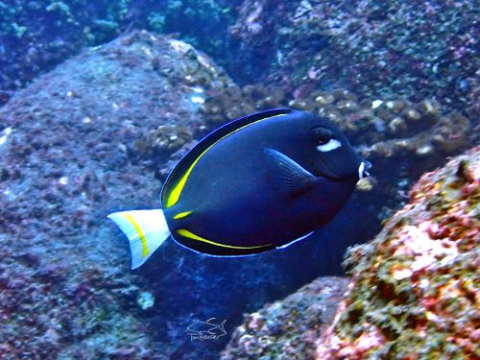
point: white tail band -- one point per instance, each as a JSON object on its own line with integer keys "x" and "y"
{"x": 146, "y": 231}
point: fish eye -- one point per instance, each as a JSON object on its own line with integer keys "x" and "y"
{"x": 322, "y": 136}
{"x": 324, "y": 140}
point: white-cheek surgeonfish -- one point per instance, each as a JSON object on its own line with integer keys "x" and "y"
{"x": 258, "y": 183}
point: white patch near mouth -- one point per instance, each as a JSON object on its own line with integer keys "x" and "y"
{"x": 361, "y": 170}
{"x": 332, "y": 144}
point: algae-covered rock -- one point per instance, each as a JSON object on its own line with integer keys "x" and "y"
{"x": 410, "y": 48}
{"x": 67, "y": 159}
{"x": 415, "y": 289}
{"x": 287, "y": 329}
{"x": 36, "y": 35}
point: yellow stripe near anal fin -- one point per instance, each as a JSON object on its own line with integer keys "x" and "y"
{"x": 190, "y": 235}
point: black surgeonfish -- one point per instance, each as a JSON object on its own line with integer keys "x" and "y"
{"x": 257, "y": 183}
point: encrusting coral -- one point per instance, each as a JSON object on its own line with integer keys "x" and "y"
{"x": 278, "y": 331}
{"x": 382, "y": 127}
{"x": 415, "y": 291}
{"x": 416, "y": 49}
{"x": 165, "y": 139}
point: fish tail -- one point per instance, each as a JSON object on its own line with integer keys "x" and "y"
{"x": 146, "y": 231}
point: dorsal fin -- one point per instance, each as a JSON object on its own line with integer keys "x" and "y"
{"x": 186, "y": 162}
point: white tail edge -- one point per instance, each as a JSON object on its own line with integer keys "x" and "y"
{"x": 146, "y": 230}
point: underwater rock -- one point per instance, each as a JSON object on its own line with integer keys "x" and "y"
{"x": 382, "y": 128}
{"x": 37, "y": 35}
{"x": 414, "y": 290}
{"x": 287, "y": 329}
{"x": 164, "y": 140}
{"x": 69, "y": 157}
{"x": 409, "y": 48}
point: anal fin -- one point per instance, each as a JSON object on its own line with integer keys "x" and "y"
{"x": 294, "y": 241}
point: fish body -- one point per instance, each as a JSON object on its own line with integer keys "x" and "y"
{"x": 258, "y": 183}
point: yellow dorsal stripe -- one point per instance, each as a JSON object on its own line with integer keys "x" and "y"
{"x": 177, "y": 190}
{"x": 137, "y": 227}
{"x": 182, "y": 215}
{"x": 190, "y": 235}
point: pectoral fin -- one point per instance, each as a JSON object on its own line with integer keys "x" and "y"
{"x": 290, "y": 177}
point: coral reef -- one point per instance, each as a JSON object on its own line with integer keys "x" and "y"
{"x": 279, "y": 330}
{"x": 409, "y": 48}
{"x": 37, "y": 35}
{"x": 414, "y": 291}
{"x": 202, "y": 23}
{"x": 101, "y": 131}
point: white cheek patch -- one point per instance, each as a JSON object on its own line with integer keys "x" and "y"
{"x": 332, "y": 144}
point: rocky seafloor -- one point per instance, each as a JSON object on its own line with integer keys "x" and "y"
{"x": 289, "y": 328}
{"x": 68, "y": 159}
{"x": 100, "y": 132}
{"x": 409, "y": 48}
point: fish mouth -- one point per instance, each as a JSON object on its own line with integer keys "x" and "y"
{"x": 323, "y": 169}
{"x": 363, "y": 169}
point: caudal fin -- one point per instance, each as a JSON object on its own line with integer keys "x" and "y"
{"x": 146, "y": 230}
